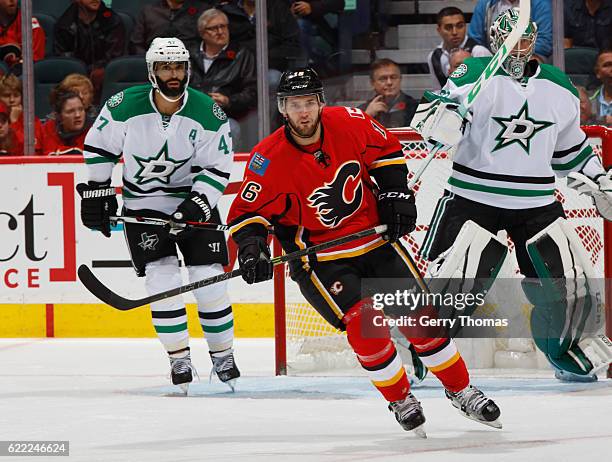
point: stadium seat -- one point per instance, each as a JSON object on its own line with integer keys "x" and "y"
{"x": 47, "y": 74}
{"x": 53, "y": 8}
{"x": 47, "y": 22}
{"x": 131, "y": 7}
{"x": 122, "y": 73}
{"x": 128, "y": 24}
{"x": 579, "y": 64}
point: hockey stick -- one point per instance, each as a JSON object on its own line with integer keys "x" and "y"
{"x": 109, "y": 297}
{"x": 496, "y": 61}
{"x": 172, "y": 224}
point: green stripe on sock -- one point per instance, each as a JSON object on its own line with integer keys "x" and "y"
{"x": 170, "y": 329}
{"x": 217, "y": 329}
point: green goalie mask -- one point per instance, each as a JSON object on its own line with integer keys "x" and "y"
{"x": 522, "y": 52}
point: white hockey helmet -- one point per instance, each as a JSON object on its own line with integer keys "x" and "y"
{"x": 515, "y": 63}
{"x": 167, "y": 50}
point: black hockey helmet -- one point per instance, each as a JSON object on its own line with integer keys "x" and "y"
{"x": 299, "y": 82}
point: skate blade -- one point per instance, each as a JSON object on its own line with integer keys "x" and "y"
{"x": 495, "y": 423}
{"x": 232, "y": 384}
{"x": 420, "y": 432}
{"x": 184, "y": 388}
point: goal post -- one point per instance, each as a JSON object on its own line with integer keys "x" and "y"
{"x": 302, "y": 335}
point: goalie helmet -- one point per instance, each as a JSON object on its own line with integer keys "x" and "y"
{"x": 501, "y": 28}
{"x": 301, "y": 82}
{"x": 167, "y": 50}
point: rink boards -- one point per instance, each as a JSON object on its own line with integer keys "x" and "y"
{"x": 43, "y": 243}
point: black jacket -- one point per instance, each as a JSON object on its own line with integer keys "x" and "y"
{"x": 95, "y": 44}
{"x": 232, "y": 73}
{"x": 283, "y": 31}
{"x": 158, "y": 20}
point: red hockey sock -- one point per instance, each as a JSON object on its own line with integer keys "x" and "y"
{"x": 376, "y": 352}
{"x": 441, "y": 357}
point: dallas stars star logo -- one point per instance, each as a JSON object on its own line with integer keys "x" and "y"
{"x": 158, "y": 168}
{"x": 519, "y": 128}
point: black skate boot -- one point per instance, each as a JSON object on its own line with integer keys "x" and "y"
{"x": 473, "y": 404}
{"x": 409, "y": 413}
{"x": 225, "y": 367}
{"x": 181, "y": 369}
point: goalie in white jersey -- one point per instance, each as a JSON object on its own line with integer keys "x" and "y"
{"x": 522, "y": 132}
{"x": 177, "y": 152}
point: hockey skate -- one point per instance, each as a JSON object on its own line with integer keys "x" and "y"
{"x": 473, "y": 404}
{"x": 225, "y": 367}
{"x": 182, "y": 371}
{"x": 409, "y": 413}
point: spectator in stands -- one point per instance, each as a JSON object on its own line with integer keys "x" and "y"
{"x": 310, "y": 17}
{"x": 65, "y": 133}
{"x": 586, "y": 113}
{"x": 167, "y": 18}
{"x": 83, "y": 87}
{"x": 588, "y": 23}
{"x": 283, "y": 32}
{"x": 224, "y": 70}
{"x": 452, "y": 28}
{"x": 8, "y": 142}
{"x": 486, "y": 11}
{"x": 390, "y": 105}
{"x": 93, "y": 33}
{"x": 11, "y": 92}
{"x": 601, "y": 100}
{"x": 10, "y": 36}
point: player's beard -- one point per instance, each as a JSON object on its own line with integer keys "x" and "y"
{"x": 172, "y": 92}
{"x": 304, "y": 132}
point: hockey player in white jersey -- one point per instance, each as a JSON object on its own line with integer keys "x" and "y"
{"x": 522, "y": 132}
{"x": 177, "y": 152}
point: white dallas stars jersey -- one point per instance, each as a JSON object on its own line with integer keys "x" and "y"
{"x": 521, "y": 137}
{"x": 163, "y": 161}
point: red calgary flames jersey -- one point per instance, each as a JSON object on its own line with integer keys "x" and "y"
{"x": 321, "y": 192}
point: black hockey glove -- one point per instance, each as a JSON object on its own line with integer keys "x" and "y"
{"x": 397, "y": 210}
{"x": 254, "y": 259}
{"x": 98, "y": 204}
{"x": 194, "y": 208}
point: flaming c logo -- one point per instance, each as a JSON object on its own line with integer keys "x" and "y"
{"x": 340, "y": 198}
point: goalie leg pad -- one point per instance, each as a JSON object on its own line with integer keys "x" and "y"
{"x": 470, "y": 265}
{"x": 214, "y": 308}
{"x": 566, "y": 299}
{"x": 169, "y": 315}
{"x": 376, "y": 352}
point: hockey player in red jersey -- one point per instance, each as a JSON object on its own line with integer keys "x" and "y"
{"x": 331, "y": 172}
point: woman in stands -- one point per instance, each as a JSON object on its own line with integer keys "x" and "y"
{"x": 82, "y": 86}
{"x": 11, "y": 95}
{"x": 8, "y": 143}
{"x": 65, "y": 133}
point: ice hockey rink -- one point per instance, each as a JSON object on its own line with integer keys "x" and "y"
{"x": 111, "y": 399}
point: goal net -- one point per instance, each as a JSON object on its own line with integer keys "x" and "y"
{"x": 305, "y": 343}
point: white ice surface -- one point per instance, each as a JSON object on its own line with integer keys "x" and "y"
{"x": 112, "y": 400}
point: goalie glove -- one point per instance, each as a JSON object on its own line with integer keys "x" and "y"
{"x": 600, "y": 190}
{"x": 439, "y": 121}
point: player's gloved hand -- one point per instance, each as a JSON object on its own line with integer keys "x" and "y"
{"x": 98, "y": 204}
{"x": 397, "y": 210}
{"x": 440, "y": 121}
{"x": 254, "y": 259}
{"x": 600, "y": 189}
{"x": 194, "y": 208}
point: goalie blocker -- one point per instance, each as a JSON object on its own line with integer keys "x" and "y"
{"x": 567, "y": 301}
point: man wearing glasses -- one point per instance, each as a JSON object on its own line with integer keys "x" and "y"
{"x": 390, "y": 105}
